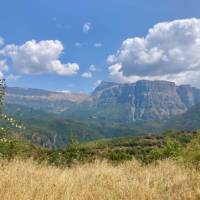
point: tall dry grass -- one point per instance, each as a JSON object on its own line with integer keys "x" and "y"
{"x": 98, "y": 181}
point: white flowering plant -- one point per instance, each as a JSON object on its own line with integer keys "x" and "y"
{"x": 6, "y": 122}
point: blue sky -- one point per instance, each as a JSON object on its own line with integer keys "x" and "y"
{"x": 110, "y": 22}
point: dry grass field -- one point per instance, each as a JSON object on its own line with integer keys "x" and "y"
{"x": 21, "y": 180}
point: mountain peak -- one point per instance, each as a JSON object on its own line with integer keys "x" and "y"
{"x": 104, "y": 85}
{"x": 143, "y": 83}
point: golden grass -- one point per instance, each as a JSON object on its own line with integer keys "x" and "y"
{"x": 98, "y": 181}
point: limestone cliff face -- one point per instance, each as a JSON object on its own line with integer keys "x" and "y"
{"x": 42, "y": 99}
{"x": 144, "y": 100}
{"x": 157, "y": 100}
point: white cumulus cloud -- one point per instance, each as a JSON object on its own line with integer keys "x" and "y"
{"x": 98, "y": 45}
{"x": 87, "y": 27}
{"x": 92, "y": 68}
{"x": 12, "y": 77}
{"x": 3, "y": 66}
{"x": 87, "y": 75}
{"x": 170, "y": 51}
{"x": 39, "y": 57}
{"x": 78, "y": 44}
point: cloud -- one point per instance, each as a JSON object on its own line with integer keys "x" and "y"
{"x": 39, "y": 57}
{"x": 170, "y": 51}
{"x": 97, "y": 83}
{"x": 3, "y": 66}
{"x": 98, "y": 45}
{"x": 92, "y": 68}
{"x": 78, "y": 44}
{"x": 1, "y": 41}
{"x": 65, "y": 91}
{"x": 12, "y": 77}
{"x": 87, "y": 75}
{"x": 3, "y": 63}
{"x": 87, "y": 27}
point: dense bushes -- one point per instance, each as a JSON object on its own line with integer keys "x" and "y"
{"x": 191, "y": 154}
{"x": 163, "y": 147}
{"x": 170, "y": 149}
{"x": 118, "y": 156}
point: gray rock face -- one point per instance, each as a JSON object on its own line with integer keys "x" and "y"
{"x": 144, "y": 100}
{"x": 42, "y": 99}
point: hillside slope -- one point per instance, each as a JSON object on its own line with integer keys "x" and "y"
{"x": 190, "y": 120}
{"x": 54, "y": 130}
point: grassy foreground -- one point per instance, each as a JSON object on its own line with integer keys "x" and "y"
{"x": 98, "y": 181}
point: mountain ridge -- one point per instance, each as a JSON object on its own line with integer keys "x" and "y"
{"x": 113, "y": 102}
{"x": 42, "y": 99}
{"x": 142, "y": 100}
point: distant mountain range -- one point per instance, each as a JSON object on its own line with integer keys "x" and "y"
{"x": 112, "y": 110}
{"x": 143, "y": 100}
{"x": 42, "y": 99}
{"x": 112, "y": 102}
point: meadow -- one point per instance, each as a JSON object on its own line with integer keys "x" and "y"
{"x": 98, "y": 181}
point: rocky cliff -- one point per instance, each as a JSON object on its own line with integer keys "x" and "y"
{"x": 143, "y": 100}
{"x": 42, "y": 99}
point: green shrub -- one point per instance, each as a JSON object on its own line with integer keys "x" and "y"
{"x": 170, "y": 149}
{"x": 191, "y": 153}
{"x": 118, "y": 156}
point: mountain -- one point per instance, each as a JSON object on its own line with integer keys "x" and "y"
{"x": 42, "y": 99}
{"x": 189, "y": 120}
{"x": 143, "y": 100}
{"x": 112, "y": 102}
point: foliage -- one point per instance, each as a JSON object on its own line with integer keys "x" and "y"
{"x": 191, "y": 153}
{"x": 42, "y": 127}
{"x": 118, "y": 156}
{"x": 147, "y": 149}
{"x": 171, "y": 149}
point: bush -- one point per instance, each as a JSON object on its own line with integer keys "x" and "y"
{"x": 171, "y": 149}
{"x": 191, "y": 153}
{"x": 118, "y": 156}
